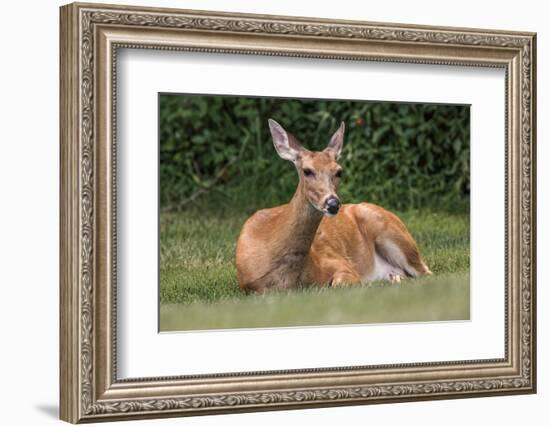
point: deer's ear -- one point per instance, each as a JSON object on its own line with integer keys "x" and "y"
{"x": 283, "y": 142}
{"x": 336, "y": 143}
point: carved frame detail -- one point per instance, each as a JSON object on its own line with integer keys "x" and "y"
{"x": 90, "y": 394}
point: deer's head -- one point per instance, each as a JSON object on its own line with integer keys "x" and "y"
{"x": 319, "y": 171}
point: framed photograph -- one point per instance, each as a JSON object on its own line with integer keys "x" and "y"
{"x": 266, "y": 212}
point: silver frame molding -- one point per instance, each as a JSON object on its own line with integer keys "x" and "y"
{"x": 90, "y": 37}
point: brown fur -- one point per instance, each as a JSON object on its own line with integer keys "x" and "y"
{"x": 295, "y": 245}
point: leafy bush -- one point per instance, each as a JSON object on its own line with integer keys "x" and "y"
{"x": 216, "y": 151}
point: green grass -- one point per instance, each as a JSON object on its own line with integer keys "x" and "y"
{"x": 427, "y": 299}
{"x": 198, "y": 289}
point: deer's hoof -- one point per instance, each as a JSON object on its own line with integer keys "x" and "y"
{"x": 341, "y": 280}
{"x": 338, "y": 283}
{"x": 394, "y": 278}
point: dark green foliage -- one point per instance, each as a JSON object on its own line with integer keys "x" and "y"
{"x": 216, "y": 152}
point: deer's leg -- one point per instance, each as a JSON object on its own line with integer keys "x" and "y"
{"x": 400, "y": 249}
{"x": 392, "y": 241}
{"x": 344, "y": 278}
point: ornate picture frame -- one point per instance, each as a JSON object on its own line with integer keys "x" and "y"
{"x": 90, "y": 37}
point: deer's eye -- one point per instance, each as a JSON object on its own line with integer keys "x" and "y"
{"x": 308, "y": 172}
{"x": 338, "y": 173}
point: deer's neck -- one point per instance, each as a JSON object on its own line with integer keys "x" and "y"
{"x": 291, "y": 241}
{"x": 302, "y": 223}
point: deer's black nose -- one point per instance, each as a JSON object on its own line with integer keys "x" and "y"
{"x": 333, "y": 205}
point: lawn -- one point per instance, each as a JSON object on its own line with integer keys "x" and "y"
{"x": 198, "y": 289}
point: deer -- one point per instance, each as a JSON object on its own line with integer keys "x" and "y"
{"x": 315, "y": 240}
